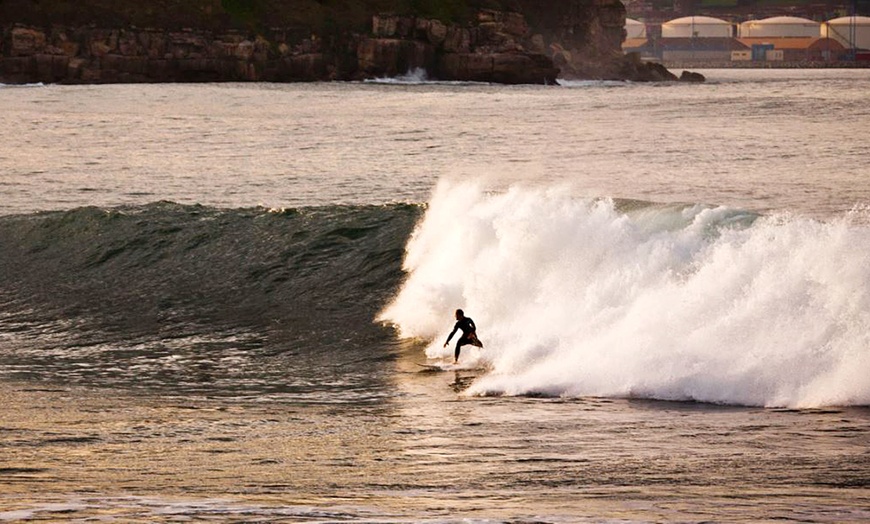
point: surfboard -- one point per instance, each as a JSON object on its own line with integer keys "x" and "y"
{"x": 447, "y": 367}
{"x": 439, "y": 367}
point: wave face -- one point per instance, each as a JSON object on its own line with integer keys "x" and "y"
{"x": 164, "y": 295}
{"x": 577, "y": 297}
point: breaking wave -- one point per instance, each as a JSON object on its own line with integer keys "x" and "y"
{"x": 573, "y": 296}
{"x": 596, "y": 297}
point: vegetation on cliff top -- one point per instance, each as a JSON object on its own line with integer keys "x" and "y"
{"x": 319, "y": 15}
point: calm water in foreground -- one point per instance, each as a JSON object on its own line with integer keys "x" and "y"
{"x": 214, "y": 300}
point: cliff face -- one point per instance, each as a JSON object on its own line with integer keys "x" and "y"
{"x": 584, "y": 38}
{"x": 494, "y": 47}
{"x": 516, "y": 41}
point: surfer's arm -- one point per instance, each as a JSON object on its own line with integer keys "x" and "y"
{"x": 456, "y": 327}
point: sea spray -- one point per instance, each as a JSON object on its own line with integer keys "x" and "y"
{"x": 592, "y": 297}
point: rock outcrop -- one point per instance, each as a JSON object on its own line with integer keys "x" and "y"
{"x": 93, "y": 55}
{"x": 488, "y": 50}
{"x": 635, "y": 69}
{"x": 689, "y": 76}
{"x": 493, "y": 48}
{"x": 525, "y": 42}
{"x": 584, "y": 38}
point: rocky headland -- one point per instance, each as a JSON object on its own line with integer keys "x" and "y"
{"x": 511, "y": 42}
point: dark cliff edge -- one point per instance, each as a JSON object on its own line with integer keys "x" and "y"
{"x": 510, "y": 41}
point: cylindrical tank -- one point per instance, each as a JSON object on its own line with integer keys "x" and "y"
{"x": 851, "y": 31}
{"x": 780, "y": 27}
{"x": 634, "y": 29}
{"x": 698, "y": 27}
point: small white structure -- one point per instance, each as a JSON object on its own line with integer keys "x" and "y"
{"x": 634, "y": 29}
{"x": 774, "y": 55}
{"x": 851, "y": 31}
{"x": 780, "y": 27}
{"x": 697, "y": 27}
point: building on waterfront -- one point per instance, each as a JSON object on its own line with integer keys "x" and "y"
{"x": 657, "y": 11}
{"x": 634, "y": 29}
{"x": 696, "y": 38}
{"x": 779, "y": 27}
{"x": 788, "y": 39}
{"x": 702, "y": 50}
{"x": 635, "y": 36}
{"x": 792, "y": 40}
{"x": 792, "y": 49}
{"x": 704, "y": 40}
{"x": 853, "y": 32}
{"x": 697, "y": 27}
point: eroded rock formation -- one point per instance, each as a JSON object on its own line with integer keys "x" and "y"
{"x": 492, "y": 48}
{"x": 525, "y": 42}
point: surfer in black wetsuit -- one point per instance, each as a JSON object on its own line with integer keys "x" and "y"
{"x": 469, "y": 334}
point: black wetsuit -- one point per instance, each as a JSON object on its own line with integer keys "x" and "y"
{"x": 469, "y": 335}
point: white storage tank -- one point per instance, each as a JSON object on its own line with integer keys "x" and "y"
{"x": 851, "y": 31}
{"x": 780, "y": 27}
{"x": 697, "y": 27}
{"x": 634, "y": 29}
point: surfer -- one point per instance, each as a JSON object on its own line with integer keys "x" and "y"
{"x": 469, "y": 334}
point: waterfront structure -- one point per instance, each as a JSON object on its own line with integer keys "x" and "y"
{"x": 702, "y": 50}
{"x": 779, "y": 27}
{"x": 853, "y": 32}
{"x": 635, "y": 37}
{"x": 696, "y": 38}
{"x": 703, "y": 40}
{"x": 787, "y": 38}
{"x": 634, "y": 29}
{"x": 792, "y": 49}
{"x": 697, "y": 27}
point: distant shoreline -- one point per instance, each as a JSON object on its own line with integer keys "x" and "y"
{"x": 765, "y": 65}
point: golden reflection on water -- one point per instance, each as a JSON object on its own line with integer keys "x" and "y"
{"x": 427, "y": 454}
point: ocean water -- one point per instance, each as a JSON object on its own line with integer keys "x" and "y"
{"x": 215, "y": 301}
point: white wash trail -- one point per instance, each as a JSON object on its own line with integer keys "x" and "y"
{"x": 583, "y": 297}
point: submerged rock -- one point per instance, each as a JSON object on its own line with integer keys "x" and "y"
{"x": 690, "y": 76}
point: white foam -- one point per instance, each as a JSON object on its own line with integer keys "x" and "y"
{"x": 417, "y": 76}
{"x": 33, "y": 512}
{"x": 21, "y": 86}
{"x": 15, "y": 516}
{"x": 413, "y": 77}
{"x": 573, "y": 297}
{"x": 591, "y": 83}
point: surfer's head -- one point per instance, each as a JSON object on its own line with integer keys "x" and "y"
{"x": 459, "y": 314}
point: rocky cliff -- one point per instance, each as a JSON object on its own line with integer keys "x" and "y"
{"x": 496, "y": 46}
{"x": 516, "y": 41}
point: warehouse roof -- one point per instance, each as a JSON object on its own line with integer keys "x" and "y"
{"x": 783, "y": 20}
{"x": 697, "y": 20}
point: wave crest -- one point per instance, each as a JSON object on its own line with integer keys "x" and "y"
{"x": 595, "y": 297}
{"x": 323, "y": 270}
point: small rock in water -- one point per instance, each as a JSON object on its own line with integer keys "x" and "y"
{"x": 689, "y": 76}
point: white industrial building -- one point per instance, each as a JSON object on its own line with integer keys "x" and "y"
{"x": 780, "y": 27}
{"x": 697, "y": 27}
{"x": 634, "y": 29}
{"x": 851, "y": 31}
{"x": 635, "y": 36}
